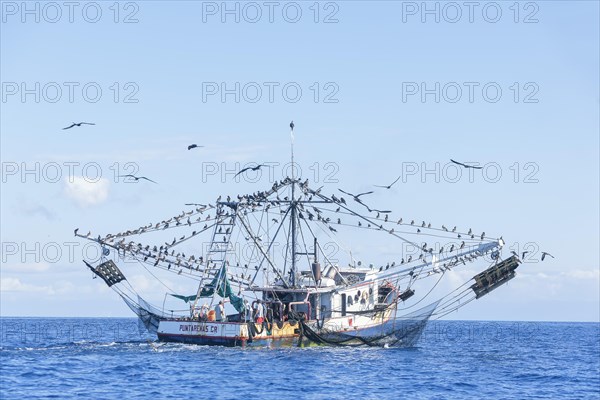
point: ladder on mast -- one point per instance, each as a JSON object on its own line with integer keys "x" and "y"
{"x": 220, "y": 244}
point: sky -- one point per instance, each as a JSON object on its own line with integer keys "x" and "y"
{"x": 376, "y": 89}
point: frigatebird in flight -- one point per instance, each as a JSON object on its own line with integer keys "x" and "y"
{"x": 356, "y": 197}
{"x": 193, "y": 146}
{"x": 259, "y": 166}
{"x": 379, "y": 211}
{"x": 465, "y": 165}
{"x": 78, "y": 124}
{"x": 390, "y": 185}
{"x": 137, "y": 178}
{"x": 544, "y": 254}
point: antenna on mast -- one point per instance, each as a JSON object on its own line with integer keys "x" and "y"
{"x": 292, "y": 146}
{"x": 293, "y": 212}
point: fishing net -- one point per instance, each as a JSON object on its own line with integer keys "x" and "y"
{"x": 399, "y": 331}
{"x": 148, "y": 316}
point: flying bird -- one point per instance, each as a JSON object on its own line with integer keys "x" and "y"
{"x": 259, "y": 166}
{"x": 544, "y": 254}
{"x": 193, "y": 146}
{"x": 78, "y": 124}
{"x": 356, "y": 197}
{"x": 378, "y": 211}
{"x": 465, "y": 165}
{"x": 390, "y": 185}
{"x": 292, "y": 125}
{"x": 137, "y": 178}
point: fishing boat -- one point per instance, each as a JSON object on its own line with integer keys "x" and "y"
{"x": 265, "y": 275}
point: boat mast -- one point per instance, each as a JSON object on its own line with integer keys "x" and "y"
{"x": 293, "y": 212}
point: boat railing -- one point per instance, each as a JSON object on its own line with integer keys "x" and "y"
{"x": 305, "y": 301}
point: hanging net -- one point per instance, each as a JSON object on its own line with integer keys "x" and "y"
{"x": 401, "y": 331}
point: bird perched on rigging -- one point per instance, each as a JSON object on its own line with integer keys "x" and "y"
{"x": 193, "y": 146}
{"x": 78, "y": 124}
{"x": 465, "y": 165}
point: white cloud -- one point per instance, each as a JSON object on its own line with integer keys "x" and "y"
{"x": 85, "y": 192}
{"x": 57, "y": 288}
{"x": 9, "y": 284}
{"x": 26, "y": 267}
{"x": 563, "y": 276}
{"x": 584, "y": 274}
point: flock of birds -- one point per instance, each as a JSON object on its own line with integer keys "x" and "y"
{"x": 275, "y": 203}
{"x": 190, "y": 147}
{"x": 272, "y": 201}
{"x": 135, "y": 178}
{"x": 257, "y": 167}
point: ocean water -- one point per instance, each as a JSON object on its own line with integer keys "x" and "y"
{"x": 108, "y": 358}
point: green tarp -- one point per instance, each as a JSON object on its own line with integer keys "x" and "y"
{"x": 184, "y": 298}
{"x": 224, "y": 290}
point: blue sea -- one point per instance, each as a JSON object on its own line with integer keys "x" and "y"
{"x": 109, "y": 358}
